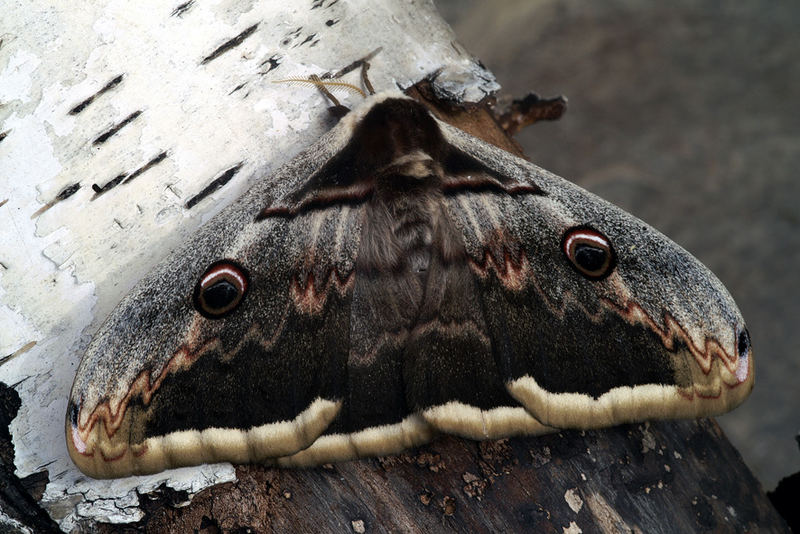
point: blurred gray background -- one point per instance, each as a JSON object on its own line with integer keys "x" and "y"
{"x": 686, "y": 114}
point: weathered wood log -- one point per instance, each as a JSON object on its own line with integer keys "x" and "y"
{"x": 660, "y": 477}
{"x": 786, "y": 496}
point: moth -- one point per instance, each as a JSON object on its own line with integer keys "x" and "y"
{"x": 396, "y": 280}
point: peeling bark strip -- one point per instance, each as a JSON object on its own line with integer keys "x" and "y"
{"x": 182, "y": 8}
{"x": 80, "y": 107}
{"x": 228, "y": 45}
{"x": 22, "y": 350}
{"x": 223, "y": 179}
{"x": 117, "y": 127}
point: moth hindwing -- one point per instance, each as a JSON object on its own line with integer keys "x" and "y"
{"x": 398, "y": 279}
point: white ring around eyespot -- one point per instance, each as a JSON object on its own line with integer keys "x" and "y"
{"x": 235, "y": 273}
{"x": 587, "y": 236}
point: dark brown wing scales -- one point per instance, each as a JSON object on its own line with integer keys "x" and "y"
{"x": 260, "y": 381}
{"x": 299, "y": 336}
{"x": 381, "y": 144}
{"x": 415, "y": 300}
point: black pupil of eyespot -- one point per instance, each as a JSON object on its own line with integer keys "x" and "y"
{"x": 220, "y": 294}
{"x": 744, "y": 343}
{"x": 73, "y": 414}
{"x": 589, "y": 257}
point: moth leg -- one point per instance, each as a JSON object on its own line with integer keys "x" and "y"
{"x": 365, "y": 78}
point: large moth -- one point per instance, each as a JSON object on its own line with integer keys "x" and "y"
{"x": 398, "y": 279}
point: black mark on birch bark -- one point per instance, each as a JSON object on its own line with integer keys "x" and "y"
{"x": 82, "y": 105}
{"x": 230, "y": 44}
{"x": 68, "y": 192}
{"x": 182, "y": 8}
{"x": 237, "y": 88}
{"x": 307, "y": 39}
{"x": 321, "y": 3}
{"x": 102, "y": 138}
{"x": 271, "y": 63}
{"x": 63, "y": 195}
{"x": 114, "y": 182}
{"x": 124, "y": 178}
{"x": 291, "y": 36}
{"x": 218, "y": 182}
{"x": 153, "y": 162}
